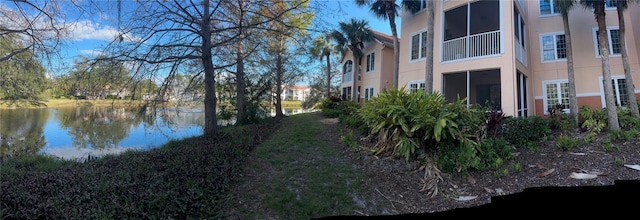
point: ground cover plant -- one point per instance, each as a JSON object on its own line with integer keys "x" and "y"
{"x": 184, "y": 179}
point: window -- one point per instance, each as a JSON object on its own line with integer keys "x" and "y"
{"x": 416, "y": 85}
{"x": 519, "y": 27}
{"x": 371, "y": 58}
{"x": 348, "y": 67}
{"x": 423, "y": 4}
{"x": 553, "y": 47}
{"x": 347, "y": 71}
{"x": 368, "y": 93}
{"x": 613, "y": 38}
{"x": 546, "y": 7}
{"x": 619, "y": 90}
{"x": 554, "y": 93}
{"x": 346, "y": 93}
{"x": 523, "y": 104}
{"x": 610, "y": 4}
{"x": 419, "y": 45}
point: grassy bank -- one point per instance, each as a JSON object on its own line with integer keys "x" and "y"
{"x": 300, "y": 174}
{"x": 56, "y": 103}
{"x": 184, "y": 179}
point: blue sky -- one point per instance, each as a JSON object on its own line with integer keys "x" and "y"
{"x": 92, "y": 29}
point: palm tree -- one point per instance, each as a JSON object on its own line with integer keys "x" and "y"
{"x": 352, "y": 35}
{"x": 598, "y": 10}
{"x": 564, "y": 6}
{"x": 621, "y": 5}
{"x": 322, "y": 49}
{"x": 387, "y": 10}
{"x": 428, "y": 79}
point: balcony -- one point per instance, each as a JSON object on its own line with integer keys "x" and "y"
{"x": 477, "y": 45}
{"x": 472, "y": 30}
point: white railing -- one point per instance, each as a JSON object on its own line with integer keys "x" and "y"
{"x": 476, "y": 45}
{"x": 521, "y": 54}
{"x": 347, "y": 77}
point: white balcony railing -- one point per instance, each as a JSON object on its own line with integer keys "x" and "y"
{"x": 521, "y": 53}
{"x": 347, "y": 77}
{"x": 476, "y": 45}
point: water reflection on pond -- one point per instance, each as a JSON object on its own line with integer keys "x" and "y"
{"x": 76, "y": 132}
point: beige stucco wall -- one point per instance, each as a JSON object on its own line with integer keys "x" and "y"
{"x": 587, "y": 67}
{"x": 382, "y": 74}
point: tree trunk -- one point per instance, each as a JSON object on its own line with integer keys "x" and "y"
{"x": 328, "y": 76}
{"x": 356, "y": 73}
{"x": 631, "y": 90}
{"x": 241, "y": 100}
{"x": 396, "y": 43}
{"x": 210, "y": 124}
{"x": 573, "y": 100}
{"x": 612, "y": 114}
{"x": 279, "y": 75}
{"x": 241, "y": 117}
{"x": 428, "y": 79}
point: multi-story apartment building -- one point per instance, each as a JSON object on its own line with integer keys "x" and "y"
{"x": 511, "y": 54}
{"x": 376, "y": 68}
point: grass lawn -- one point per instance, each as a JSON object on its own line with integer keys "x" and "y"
{"x": 306, "y": 177}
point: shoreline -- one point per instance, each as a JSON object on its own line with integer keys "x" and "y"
{"x": 57, "y": 103}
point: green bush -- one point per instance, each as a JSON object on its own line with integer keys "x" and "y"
{"x": 493, "y": 152}
{"x": 593, "y": 121}
{"x": 527, "y": 132}
{"x": 628, "y": 121}
{"x": 459, "y": 157}
{"x": 623, "y": 135}
{"x": 565, "y": 142}
{"x": 562, "y": 122}
{"x": 408, "y": 124}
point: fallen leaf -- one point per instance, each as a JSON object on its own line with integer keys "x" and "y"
{"x": 471, "y": 179}
{"x": 633, "y": 166}
{"x": 466, "y": 198}
{"x": 583, "y": 176}
{"x": 546, "y": 173}
{"x": 539, "y": 166}
{"x": 488, "y": 190}
{"x": 596, "y": 173}
{"x": 577, "y": 154}
{"x": 499, "y": 191}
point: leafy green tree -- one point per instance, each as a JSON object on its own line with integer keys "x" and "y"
{"x": 352, "y": 35}
{"x": 622, "y": 5}
{"x": 564, "y": 6}
{"x": 21, "y": 75}
{"x": 598, "y": 10}
{"x": 322, "y": 49}
{"x": 284, "y": 40}
{"x": 94, "y": 78}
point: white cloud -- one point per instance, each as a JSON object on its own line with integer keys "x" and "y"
{"x": 92, "y": 52}
{"x": 87, "y": 30}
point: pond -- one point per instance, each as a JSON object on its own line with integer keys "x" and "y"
{"x": 77, "y": 132}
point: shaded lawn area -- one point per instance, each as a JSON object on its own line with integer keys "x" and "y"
{"x": 298, "y": 173}
{"x": 184, "y": 179}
